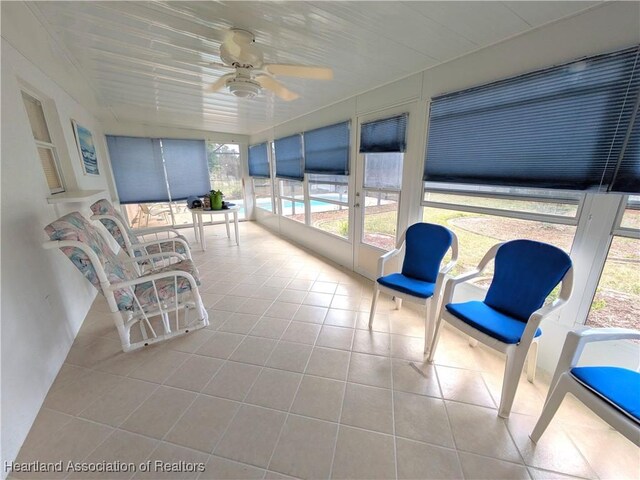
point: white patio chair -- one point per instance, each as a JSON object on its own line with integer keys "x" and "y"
{"x": 612, "y": 393}
{"x": 128, "y": 239}
{"x": 167, "y": 297}
{"x": 508, "y": 318}
{"x": 421, "y": 279}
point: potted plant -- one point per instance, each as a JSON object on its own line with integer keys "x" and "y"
{"x": 216, "y": 199}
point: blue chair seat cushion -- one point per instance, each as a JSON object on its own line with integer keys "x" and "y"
{"x": 411, "y": 286}
{"x": 490, "y": 321}
{"x": 618, "y": 386}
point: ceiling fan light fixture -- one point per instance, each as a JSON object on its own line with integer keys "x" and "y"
{"x": 243, "y": 87}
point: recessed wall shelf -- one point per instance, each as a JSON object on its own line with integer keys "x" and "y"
{"x": 76, "y": 196}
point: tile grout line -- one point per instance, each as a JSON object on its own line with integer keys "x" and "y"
{"x": 344, "y": 396}
{"x": 273, "y": 452}
{"x": 346, "y": 381}
{"x": 446, "y": 411}
{"x": 242, "y": 402}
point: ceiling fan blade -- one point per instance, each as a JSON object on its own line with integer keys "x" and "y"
{"x": 211, "y": 64}
{"x": 276, "y": 87}
{"x": 220, "y": 83}
{"x": 301, "y": 71}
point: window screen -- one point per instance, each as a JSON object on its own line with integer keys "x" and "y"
{"x": 563, "y": 127}
{"x": 289, "y": 157}
{"x": 326, "y": 150}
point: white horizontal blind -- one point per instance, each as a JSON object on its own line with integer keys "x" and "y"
{"x": 48, "y": 160}
{"x": 36, "y": 118}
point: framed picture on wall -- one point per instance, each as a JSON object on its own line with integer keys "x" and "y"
{"x": 86, "y": 148}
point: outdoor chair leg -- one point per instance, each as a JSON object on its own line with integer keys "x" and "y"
{"x": 532, "y": 360}
{"x": 374, "y": 301}
{"x": 398, "y": 303}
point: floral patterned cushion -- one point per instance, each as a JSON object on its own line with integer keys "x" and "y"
{"x": 167, "y": 246}
{"x": 166, "y": 286}
{"x": 104, "y": 207}
{"x": 75, "y": 227}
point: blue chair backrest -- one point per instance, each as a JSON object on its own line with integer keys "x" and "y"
{"x": 425, "y": 246}
{"x": 525, "y": 274}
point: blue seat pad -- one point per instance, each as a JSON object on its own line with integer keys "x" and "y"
{"x": 490, "y": 321}
{"x": 408, "y": 285}
{"x": 619, "y": 386}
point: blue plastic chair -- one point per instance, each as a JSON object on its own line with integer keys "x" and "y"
{"x": 613, "y": 393}
{"x": 508, "y": 318}
{"x": 421, "y": 278}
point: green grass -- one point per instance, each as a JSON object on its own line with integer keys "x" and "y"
{"x": 619, "y": 275}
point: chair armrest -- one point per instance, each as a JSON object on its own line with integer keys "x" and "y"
{"x": 153, "y": 277}
{"x": 447, "y": 268}
{"x": 155, "y": 230}
{"x": 606, "y": 334}
{"x": 577, "y": 339}
{"x": 384, "y": 258}
{"x": 159, "y": 241}
{"x": 155, "y": 256}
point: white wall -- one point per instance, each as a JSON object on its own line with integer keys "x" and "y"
{"x": 606, "y": 28}
{"x": 44, "y": 297}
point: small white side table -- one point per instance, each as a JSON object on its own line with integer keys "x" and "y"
{"x": 198, "y": 223}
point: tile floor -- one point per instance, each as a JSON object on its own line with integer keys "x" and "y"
{"x": 287, "y": 381}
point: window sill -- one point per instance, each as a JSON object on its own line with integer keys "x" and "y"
{"x": 76, "y": 196}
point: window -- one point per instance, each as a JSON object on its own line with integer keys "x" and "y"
{"x": 291, "y": 195}
{"x": 616, "y": 302}
{"x": 382, "y": 184}
{"x": 155, "y": 176}
{"x": 260, "y": 171}
{"x": 329, "y": 203}
{"x": 46, "y": 149}
{"x": 383, "y": 143}
{"x": 225, "y": 172}
{"x": 263, "y": 190}
{"x": 484, "y": 216}
{"x": 289, "y": 157}
{"x": 565, "y": 127}
{"x": 289, "y": 170}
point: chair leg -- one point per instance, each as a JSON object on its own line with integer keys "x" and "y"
{"x": 123, "y": 331}
{"x": 532, "y": 361}
{"x": 550, "y": 409}
{"x": 374, "y": 301}
{"x": 434, "y": 341}
{"x": 473, "y": 342}
{"x": 398, "y": 303}
{"x": 428, "y": 327}
{"x": 512, "y": 371}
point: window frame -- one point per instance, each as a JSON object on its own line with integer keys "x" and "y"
{"x": 616, "y": 231}
{"x": 45, "y": 145}
{"x": 304, "y": 200}
{"x": 309, "y": 197}
{"x": 559, "y": 196}
{"x": 269, "y": 181}
{"x": 366, "y": 189}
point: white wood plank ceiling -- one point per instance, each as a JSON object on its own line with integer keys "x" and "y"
{"x": 144, "y": 60}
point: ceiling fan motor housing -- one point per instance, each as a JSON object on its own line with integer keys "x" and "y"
{"x": 243, "y": 87}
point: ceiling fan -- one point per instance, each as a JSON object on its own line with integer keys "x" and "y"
{"x": 240, "y": 52}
